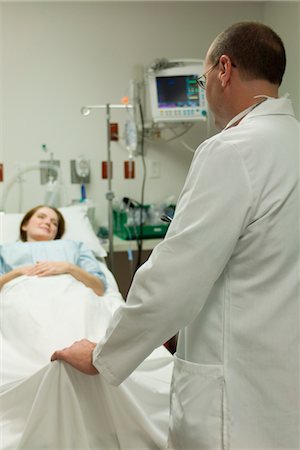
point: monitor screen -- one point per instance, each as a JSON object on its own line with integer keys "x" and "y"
{"x": 178, "y": 91}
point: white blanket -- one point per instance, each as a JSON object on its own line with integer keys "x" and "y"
{"x": 53, "y": 406}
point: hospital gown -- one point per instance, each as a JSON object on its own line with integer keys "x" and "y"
{"x": 18, "y": 254}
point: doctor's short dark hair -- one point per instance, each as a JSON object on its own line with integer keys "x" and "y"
{"x": 256, "y": 50}
{"x": 61, "y": 222}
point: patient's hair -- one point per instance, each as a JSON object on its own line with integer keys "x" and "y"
{"x": 254, "y": 48}
{"x": 61, "y": 222}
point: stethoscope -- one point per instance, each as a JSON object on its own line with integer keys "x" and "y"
{"x": 242, "y": 114}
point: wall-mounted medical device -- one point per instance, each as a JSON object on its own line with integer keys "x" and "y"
{"x": 80, "y": 170}
{"x": 174, "y": 93}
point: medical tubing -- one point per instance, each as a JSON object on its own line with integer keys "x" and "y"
{"x": 83, "y": 192}
{"x": 176, "y": 136}
{"x": 140, "y": 237}
{"x": 21, "y": 172}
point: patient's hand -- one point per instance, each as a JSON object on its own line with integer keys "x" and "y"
{"x": 46, "y": 268}
{"x": 78, "y": 355}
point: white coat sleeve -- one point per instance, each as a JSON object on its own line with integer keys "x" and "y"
{"x": 170, "y": 289}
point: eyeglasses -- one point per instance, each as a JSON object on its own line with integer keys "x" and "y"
{"x": 201, "y": 81}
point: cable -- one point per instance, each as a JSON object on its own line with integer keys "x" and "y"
{"x": 18, "y": 178}
{"x": 140, "y": 236}
{"x": 129, "y": 250}
{"x": 186, "y": 127}
{"x": 176, "y": 136}
{"x": 185, "y": 145}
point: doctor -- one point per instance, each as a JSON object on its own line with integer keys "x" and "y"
{"x": 226, "y": 274}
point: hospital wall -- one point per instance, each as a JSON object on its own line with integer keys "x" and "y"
{"x": 56, "y": 57}
{"x": 284, "y": 17}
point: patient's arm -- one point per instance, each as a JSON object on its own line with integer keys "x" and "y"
{"x": 78, "y": 355}
{"x": 15, "y": 273}
{"x": 45, "y": 268}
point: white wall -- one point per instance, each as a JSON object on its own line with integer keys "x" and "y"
{"x": 284, "y": 18}
{"x": 59, "y": 56}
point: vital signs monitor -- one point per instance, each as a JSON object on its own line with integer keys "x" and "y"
{"x": 175, "y": 95}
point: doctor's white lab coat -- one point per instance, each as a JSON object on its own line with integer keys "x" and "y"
{"x": 227, "y": 277}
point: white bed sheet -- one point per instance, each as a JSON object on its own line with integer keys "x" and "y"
{"x": 52, "y": 406}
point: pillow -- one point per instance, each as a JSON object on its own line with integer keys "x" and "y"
{"x": 9, "y": 227}
{"x": 78, "y": 228}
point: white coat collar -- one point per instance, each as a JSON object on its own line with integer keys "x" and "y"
{"x": 268, "y": 106}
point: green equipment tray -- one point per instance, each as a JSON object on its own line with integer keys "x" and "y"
{"x": 130, "y": 232}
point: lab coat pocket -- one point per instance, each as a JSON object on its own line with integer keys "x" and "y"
{"x": 197, "y": 393}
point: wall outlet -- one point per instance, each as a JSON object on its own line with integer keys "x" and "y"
{"x": 154, "y": 168}
{"x": 114, "y": 132}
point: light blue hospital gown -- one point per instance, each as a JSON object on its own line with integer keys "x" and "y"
{"x": 18, "y": 254}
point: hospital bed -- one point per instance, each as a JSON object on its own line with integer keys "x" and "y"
{"x": 46, "y": 405}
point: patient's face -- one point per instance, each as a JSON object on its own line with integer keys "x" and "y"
{"x": 42, "y": 226}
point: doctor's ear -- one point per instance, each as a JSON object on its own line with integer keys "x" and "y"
{"x": 225, "y": 67}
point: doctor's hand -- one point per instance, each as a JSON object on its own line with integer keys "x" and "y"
{"x": 79, "y": 355}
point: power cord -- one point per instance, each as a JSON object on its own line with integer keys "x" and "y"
{"x": 140, "y": 235}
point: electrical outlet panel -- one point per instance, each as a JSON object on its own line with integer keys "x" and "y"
{"x": 154, "y": 171}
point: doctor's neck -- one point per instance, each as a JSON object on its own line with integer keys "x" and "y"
{"x": 247, "y": 94}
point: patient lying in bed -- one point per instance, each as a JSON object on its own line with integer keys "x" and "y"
{"x": 42, "y": 253}
{"x": 45, "y": 305}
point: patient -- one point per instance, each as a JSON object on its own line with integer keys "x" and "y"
{"x": 51, "y": 405}
{"x": 42, "y": 253}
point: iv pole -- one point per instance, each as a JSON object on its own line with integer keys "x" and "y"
{"x": 85, "y": 111}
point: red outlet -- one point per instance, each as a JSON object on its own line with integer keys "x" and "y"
{"x": 105, "y": 170}
{"x": 1, "y": 172}
{"x": 129, "y": 169}
{"x": 114, "y": 132}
